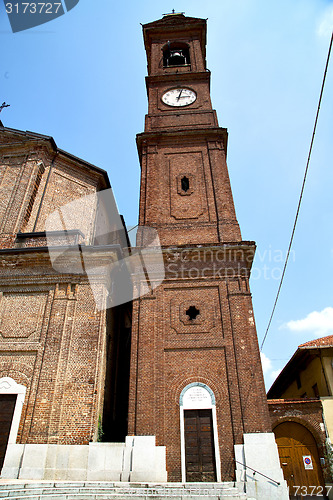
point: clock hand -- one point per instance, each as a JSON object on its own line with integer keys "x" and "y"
{"x": 179, "y": 94}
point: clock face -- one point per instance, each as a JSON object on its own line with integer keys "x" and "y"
{"x": 179, "y": 97}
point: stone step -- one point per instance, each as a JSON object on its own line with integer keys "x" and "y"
{"x": 117, "y": 491}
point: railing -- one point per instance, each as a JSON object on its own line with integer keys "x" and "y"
{"x": 257, "y": 472}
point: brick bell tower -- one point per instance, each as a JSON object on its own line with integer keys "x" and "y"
{"x": 196, "y": 379}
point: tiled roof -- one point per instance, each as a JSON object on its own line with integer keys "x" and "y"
{"x": 302, "y": 355}
{"x": 296, "y": 401}
{"x": 292, "y": 401}
{"x": 322, "y": 342}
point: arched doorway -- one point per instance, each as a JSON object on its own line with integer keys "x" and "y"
{"x": 199, "y": 441}
{"x": 299, "y": 458}
{"x": 11, "y": 403}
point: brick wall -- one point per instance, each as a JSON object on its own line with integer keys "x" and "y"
{"x": 219, "y": 348}
{"x": 53, "y": 339}
{"x": 207, "y": 264}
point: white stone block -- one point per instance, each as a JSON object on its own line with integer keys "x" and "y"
{"x": 13, "y": 458}
{"x": 49, "y": 474}
{"x": 140, "y": 461}
{"x": 143, "y": 461}
{"x": 261, "y": 454}
{"x": 127, "y": 460}
{"x": 60, "y": 474}
{"x": 96, "y": 457}
{"x": 65, "y": 462}
{"x": 78, "y": 457}
{"x": 114, "y": 455}
{"x": 240, "y": 459}
{"x": 51, "y": 456}
{"x": 34, "y": 455}
{"x": 10, "y": 472}
{"x": 33, "y": 473}
{"x": 12, "y": 461}
{"x": 104, "y": 475}
{"x": 62, "y": 456}
{"x": 77, "y": 474}
{"x": 33, "y": 463}
{"x": 105, "y": 461}
{"x": 148, "y": 462}
{"x": 144, "y": 441}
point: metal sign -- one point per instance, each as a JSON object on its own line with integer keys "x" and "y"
{"x": 307, "y": 461}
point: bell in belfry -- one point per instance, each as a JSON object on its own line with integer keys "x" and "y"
{"x": 176, "y": 58}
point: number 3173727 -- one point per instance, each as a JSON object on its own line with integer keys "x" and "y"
{"x": 32, "y": 8}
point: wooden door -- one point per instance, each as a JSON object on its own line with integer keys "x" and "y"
{"x": 294, "y": 442}
{"x": 7, "y": 406}
{"x": 199, "y": 446}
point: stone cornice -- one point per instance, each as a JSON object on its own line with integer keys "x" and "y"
{"x": 177, "y": 136}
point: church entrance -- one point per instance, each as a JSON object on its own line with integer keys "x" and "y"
{"x": 299, "y": 459}
{"x": 7, "y": 406}
{"x": 200, "y": 457}
{"x": 199, "y": 446}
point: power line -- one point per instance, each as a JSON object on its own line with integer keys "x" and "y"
{"x": 132, "y": 228}
{"x": 300, "y": 198}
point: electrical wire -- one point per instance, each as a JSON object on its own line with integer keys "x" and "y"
{"x": 129, "y": 230}
{"x": 300, "y": 198}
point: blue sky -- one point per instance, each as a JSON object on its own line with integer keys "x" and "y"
{"x": 80, "y": 79}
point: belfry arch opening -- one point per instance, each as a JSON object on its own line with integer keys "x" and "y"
{"x": 176, "y": 54}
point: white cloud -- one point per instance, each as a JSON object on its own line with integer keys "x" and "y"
{"x": 275, "y": 373}
{"x": 267, "y": 368}
{"x": 266, "y": 363}
{"x": 325, "y": 26}
{"x": 319, "y": 323}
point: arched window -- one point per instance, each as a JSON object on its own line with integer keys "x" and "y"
{"x": 176, "y": 54}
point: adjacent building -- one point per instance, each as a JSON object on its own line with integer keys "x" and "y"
{"x": 301, "y": 408}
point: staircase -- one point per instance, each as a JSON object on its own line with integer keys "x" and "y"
{"x": 45, "y": 490}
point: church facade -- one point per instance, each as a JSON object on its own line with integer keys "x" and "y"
{"x": 177, "y": 372}
{"x": 63, "y": 360}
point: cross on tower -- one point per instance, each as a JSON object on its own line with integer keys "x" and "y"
{"x": 173, "y": 12}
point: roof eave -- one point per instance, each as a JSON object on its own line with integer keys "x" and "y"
{"x": 35, "y": 135}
